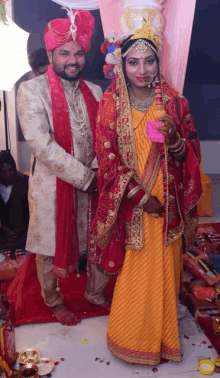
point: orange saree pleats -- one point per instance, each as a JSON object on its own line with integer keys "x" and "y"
{"x": 143, "y": 324}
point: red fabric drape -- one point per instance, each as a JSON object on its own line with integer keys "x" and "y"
{"x": 28, "y": 305}
{"x": 66, "y": 256}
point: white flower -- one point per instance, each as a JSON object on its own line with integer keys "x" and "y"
{"x": 112, "y": 37}
{"x": 115, "y": 69}
{"x": 111, "y": 58}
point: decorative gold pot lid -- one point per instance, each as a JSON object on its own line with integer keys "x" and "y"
{"x": 29, "y": 356}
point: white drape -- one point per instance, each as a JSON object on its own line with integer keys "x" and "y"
{"x": 79, "y": 4}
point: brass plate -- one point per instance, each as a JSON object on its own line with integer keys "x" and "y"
{"x": 45, "y": 366}
{"x": 29, "y": 356}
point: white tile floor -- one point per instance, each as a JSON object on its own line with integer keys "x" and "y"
{"x": 56, "y": 341}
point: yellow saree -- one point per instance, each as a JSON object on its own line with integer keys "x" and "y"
{"x": 143, "y": 326}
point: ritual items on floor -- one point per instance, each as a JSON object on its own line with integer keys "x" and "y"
{"x": 207, "y": 293}
{"x": 209, "y": 235}
{"x": 217, "y": 365}
{"x": 216, "y": 325}
{"x": 200, "y": 287}
{"x": 215, "y": 261}
{"x": 10, "y": 261}
{"x": 45, "y": 366}
{"x": 198, "y": 263}
{"x": 29, "y": 370}
{"x": 29, "y": 356}
{"x": 33, "y": 364}
{"x": 206, "y": 367}
{"x": 7, "y": 333}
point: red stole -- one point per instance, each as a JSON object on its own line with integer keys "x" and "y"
{"x": 67, "y": 249}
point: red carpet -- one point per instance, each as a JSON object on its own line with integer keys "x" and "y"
{"x": 28, "y": 305}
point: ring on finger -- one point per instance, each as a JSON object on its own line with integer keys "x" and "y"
{"x": 155, "y": 215}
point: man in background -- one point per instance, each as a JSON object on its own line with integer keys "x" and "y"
{"x": 38, "y": 61}
{"x": 14, "y": 213}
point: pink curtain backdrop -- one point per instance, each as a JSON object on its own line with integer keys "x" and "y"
{"x": 110, "y": 11}
{"x": 179, "y": 17}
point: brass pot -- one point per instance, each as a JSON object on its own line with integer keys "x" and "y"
{"x": 28, "y": 371}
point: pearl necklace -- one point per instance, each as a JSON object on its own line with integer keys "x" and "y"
{"x": 81, "y": 121}
{"x": 142, "y": 106}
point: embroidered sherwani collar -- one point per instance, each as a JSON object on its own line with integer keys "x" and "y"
{"x": 69, "y": 85}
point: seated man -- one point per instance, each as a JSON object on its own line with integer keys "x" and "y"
{"x": 38, "y": 61}
{"x": 14, "y": 213}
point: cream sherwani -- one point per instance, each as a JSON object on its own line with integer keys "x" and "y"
{"x": 48, "y": 161}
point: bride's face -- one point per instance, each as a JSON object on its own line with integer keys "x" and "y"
{"x": 141, "y": 67}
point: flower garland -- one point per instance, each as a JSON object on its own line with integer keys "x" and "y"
{"x": 10, "y": 373}
{"x": 3, "y": 11}
{"x": 108, "y": 47}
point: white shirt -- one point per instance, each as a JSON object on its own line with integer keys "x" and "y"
{"x": 5, "y": 192}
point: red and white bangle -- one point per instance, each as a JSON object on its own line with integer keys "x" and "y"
{"x": 136, "y": 193}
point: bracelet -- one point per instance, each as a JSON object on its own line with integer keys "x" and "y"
{"x": 179, "y": 154}
{"x": 177, "y": 149}
{"x": 155, "y": 215}
{"x": 133, "y": 191}
{"x": 177, "y": 143}
{"x": 143, "y": 200}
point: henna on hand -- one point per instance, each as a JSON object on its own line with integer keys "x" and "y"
{"x": 168, "y": 130}
{"x": 153, "y": 206}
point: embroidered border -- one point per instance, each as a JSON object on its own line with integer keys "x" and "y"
{"x": 143, "y": 358}
{"x": 151, "y": 169}
{"x": 107, "y": 227}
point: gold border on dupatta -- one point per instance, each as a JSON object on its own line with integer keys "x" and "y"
{"x": 151, "y": 169}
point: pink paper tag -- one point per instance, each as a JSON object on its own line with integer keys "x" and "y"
{"x": 152, "y": 133}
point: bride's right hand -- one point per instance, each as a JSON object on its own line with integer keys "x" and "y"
{"x": 153, "y": 206}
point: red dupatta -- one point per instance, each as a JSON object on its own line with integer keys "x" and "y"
{"x": 66, "y": 256}
{"x": 116, "y": 154}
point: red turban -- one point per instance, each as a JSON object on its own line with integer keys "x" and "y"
{"x": 58, "y": 31}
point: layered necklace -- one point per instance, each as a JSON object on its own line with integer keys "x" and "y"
{"x": 79, "y": 122}
{"x": 141, "y": 106}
